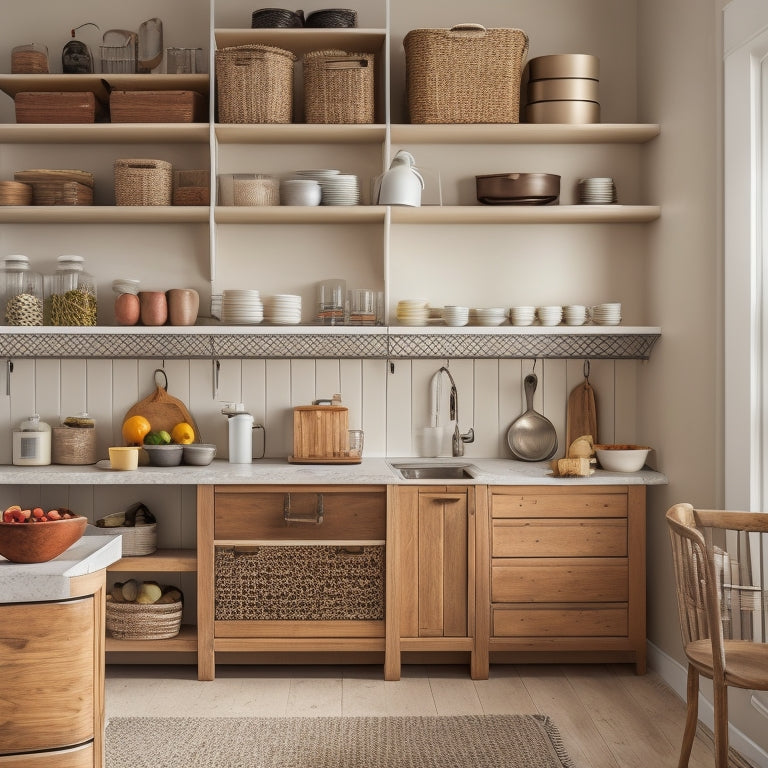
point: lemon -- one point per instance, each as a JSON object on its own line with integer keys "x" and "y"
{"x": 183, "y": 434}
{"x": 135, "y": 430}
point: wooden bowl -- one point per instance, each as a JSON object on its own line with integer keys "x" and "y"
{"x": 39, "y": 542}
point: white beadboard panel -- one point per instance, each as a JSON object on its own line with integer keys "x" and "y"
{"x": 303, "y": 390}
{"x": 206, "y": 411}
{"x": 22, "y": 393}
{"x": 509, "y": 387}
{"x": 254, "y": 375}
{"x": 351, "y": 388}
{"x": 177, "y": 372}
{"x": 230, "y": 382}
{"x": 47, "y": 391}
{"x": 484, "y": 416}
{"x": 327, "y": 379}
{"x": 279, "y": 416}
{"x": 374, "y": 398}
{"x": 101, "y": 407}
{"x": 554, "y": 397}
{"x": 6, "y": 425}
{"x": 602, "y": 378}
{"x": 125, "y": 392}
{"x": 74, "y": 393}
{"x": 399, "y": 426}
{"x": 626, "y": 427}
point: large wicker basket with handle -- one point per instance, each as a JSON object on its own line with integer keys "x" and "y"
{"x": 465, "y": 74}
{"x": 254, "y": 84}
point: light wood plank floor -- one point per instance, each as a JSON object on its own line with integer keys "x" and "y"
{"x": 608, "y": 716}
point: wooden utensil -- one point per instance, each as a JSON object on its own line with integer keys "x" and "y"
{"x": 581, "y": 417}
{"x": 163, "y": 411}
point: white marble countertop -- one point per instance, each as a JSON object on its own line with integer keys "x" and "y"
{"x": 371, "y": 471}
{"x": 39, "y": 582}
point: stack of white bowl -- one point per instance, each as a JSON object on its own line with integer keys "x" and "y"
{"x": 487, "y": 316}
{"x": 241, "y": 307}
{"x": 413, "y": 311}
{"x": 300, "y": 192}
{"x": 522, "y": 315}
{"x": 283, "y": 309}
{"x": 606, "y": 314}
{"x": 550, "y": 315}
{"x": 453, "y": 315}
{"x": 575, "y": 314}
{"x": 597, "y": 191}
{"x": 341, "y": 189}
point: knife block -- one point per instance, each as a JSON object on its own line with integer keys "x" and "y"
{"x": 320, "y": 433}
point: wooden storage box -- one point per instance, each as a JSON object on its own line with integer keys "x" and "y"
{"x": 66, "y": 107}
{"x": 320, "y": 432}
{"x": 158, "y": 107}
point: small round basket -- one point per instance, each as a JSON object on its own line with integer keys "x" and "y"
{"x": 135, "y": 621}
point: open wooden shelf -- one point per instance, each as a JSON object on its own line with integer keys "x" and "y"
{"x": 186, "y": 640}
{"x": 163, "y": 560}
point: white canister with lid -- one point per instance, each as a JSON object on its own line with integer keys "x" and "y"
{"x": 32, "y": 442}
{"x": 240, "y": 433}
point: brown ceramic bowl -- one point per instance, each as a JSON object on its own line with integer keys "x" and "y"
{"x": 518, "y": 188}
{"x": 39, "y": 542}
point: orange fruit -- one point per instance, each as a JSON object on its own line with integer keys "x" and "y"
{"x": 135, "y": 430}
{"x": 183, "y": 434}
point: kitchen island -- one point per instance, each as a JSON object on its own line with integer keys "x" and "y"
{"x": 52, "y": 642}
{"x": 443, "y": 558}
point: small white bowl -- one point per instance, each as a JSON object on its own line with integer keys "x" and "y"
{"x": 622, "y": 458}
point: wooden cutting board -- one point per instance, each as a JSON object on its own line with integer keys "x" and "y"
{"x": 581, "y": 417}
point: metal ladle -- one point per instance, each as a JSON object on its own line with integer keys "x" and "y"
{"x": 531, "y": 436}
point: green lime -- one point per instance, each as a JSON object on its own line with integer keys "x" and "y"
{"x": 153, "y": 438}
{"x": 164, "y": 437}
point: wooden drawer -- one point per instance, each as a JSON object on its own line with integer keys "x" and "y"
{"x": 560, "y": 621}
{"x": 540, "y": 504}
{"x": 552, "y": 537}
{"x": 558, "y": 581}
{"x": 77, "y": 757}
{"x": 346, "y": 516}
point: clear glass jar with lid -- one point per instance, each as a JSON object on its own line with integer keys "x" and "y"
{"x": 21, "y": 292}
{"x": 70, "y": 294}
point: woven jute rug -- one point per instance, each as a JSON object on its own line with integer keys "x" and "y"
{"x": 464, "y": 741}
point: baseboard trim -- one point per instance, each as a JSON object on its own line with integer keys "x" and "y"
{"x": 675, "y": 676}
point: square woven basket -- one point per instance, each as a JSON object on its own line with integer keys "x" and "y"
{"x": 465, "y": 74}
{"x": 143, "y": 182}
{"x": 254, "y": 84}
{"x": 338, "y": 87}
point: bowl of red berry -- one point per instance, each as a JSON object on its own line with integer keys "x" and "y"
{"x": 36, "y": 535}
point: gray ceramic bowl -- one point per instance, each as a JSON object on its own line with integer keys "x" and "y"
{"x": 164, "y": 455}
{"x": 199, "y": 454}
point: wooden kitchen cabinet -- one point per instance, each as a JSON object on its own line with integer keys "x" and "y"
{"x": 563, "y": 576}
{"x": 431, "y": 576}
{"x": 286, "y": 569}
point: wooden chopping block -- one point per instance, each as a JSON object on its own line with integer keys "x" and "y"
{"x": 581, "y": 417}
{"x": 320, "y": 431}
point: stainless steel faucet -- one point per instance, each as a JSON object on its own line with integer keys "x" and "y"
{"x": 458, "y": 439}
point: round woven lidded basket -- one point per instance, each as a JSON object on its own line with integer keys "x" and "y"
{"x": 465, "y": 74}
{"x": 254, "y": 84}
{"x": 338, "y": 87}
{"x": 137, "y": 621}
{"x": 143, "y": 182}
{"x": 71, "y": 445}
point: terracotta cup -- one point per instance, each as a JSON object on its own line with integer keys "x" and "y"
{"x": 154, "y": 307}
{"x": 183, "y": 304}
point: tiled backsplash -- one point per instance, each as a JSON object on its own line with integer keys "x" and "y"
{"x": 389, "y": 400}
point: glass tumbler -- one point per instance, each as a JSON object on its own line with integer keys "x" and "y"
{"x": 355, "y": 443}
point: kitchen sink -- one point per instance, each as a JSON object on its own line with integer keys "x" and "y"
{"x": 435, "y": 471}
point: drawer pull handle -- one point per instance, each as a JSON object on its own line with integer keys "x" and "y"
{"x": 315, "y": 519}
{"x": 353, "y": 551}
{"x": 448, "y": 499}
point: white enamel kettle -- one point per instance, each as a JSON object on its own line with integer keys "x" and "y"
{"x": 402, "y": 184}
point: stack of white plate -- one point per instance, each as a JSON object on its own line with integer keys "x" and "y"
{"x": 522, "y": 315}
{"x": 453, "y": 315}
{"x": 241, "y": 307}
{"x": 607, "y": 314}
{"x": 340, "y": 189}
{"x": 413, "y": 312}
{"x": 487, "y": 316}
{"x": 317, "y": 174}
{"x": 283, "y": 309}
{"x": 597, "y": 191}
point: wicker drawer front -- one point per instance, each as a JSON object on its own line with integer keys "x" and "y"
{"x": 563, "y": 621}
{"x": 258, "y": 516}
{"x": 559, "y": 505}
{"x": 301, "y": 583}
{"x": 157, "y": 107}
{"x": 543, "y": 581}
{"x": 551, "y": 537}
{"x": 65, "y": 107}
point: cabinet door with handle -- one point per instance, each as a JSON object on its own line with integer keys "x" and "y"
{"x": 433, "y": 567}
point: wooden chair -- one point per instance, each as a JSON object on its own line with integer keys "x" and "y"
{"x": 715, "y": 590}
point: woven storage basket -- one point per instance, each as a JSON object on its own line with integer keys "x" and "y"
{"x": 192, "y": 187}
{"x": 65, "y": 107}
{"x": 254, "y": 84}
{"x": 134, "y": 621}
{"x": 74, "y": 446}
{"x": 338, "y": 87}
{"x": 157, "y": 107}
{"x": 138, "y": 540}
{"x": 143, "y": 182}
{"x": 465, "y": 74}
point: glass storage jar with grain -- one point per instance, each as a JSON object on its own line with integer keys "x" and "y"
{"x": 70, "y": 294}
{"x": 21, "y": 292}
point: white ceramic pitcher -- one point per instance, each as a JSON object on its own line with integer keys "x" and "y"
{"x": 402, "y": 184}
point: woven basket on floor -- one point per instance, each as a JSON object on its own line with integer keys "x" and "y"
{"x": 254, "y": 84}
{"x": 338, "y": 87}
{"x": 134, "y": 621}
{"x": 143, "y": 182}
{"x": 465, "y": 74}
